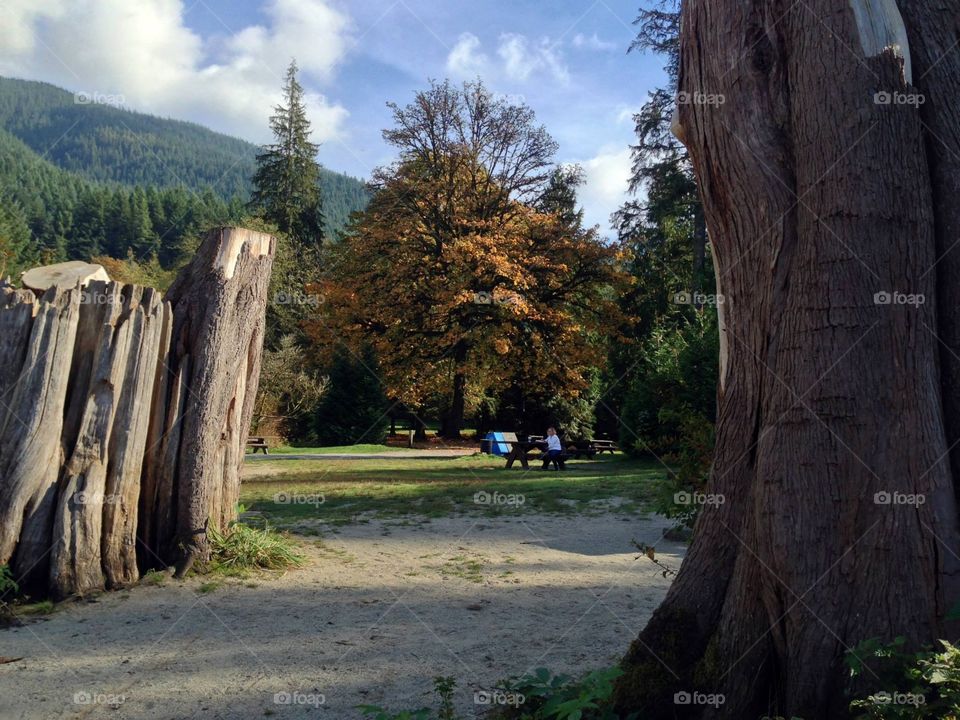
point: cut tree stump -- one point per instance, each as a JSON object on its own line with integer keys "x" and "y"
{"x": 124, "y": 414}
{"x": 66, "y": 276}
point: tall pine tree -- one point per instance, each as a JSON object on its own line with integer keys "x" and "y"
{"x": 287, "y": 181}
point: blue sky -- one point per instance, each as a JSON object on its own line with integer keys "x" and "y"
{"x": 220, "y": 62}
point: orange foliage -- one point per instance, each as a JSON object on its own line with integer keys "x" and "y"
{"x": 440, "y": 286}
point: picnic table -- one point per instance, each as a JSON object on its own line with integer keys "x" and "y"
{"x": 602, "y": 446}
{"x": 258, "y": 443}
{"x": 520, "y": 450}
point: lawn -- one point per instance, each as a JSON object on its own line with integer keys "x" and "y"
{"x": 288, "y": 493}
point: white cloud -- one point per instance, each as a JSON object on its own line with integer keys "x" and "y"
{"x": 608, "y": 174}
{"x": 144, "y": 52}
{"x": 593, "y": 42}
{"x": 522, "y": 58}
{"x": 467, "y": 60}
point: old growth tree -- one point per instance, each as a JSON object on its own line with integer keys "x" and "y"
{"x": 829, "y": 190}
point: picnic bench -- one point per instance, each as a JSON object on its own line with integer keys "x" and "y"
{"x": 258, "y": 443}
{"x": 521, "y": 450}
{"x": 591, "y": 448}
{"x": 602, "y": 446}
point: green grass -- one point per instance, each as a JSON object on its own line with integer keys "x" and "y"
{"x": 44, "y": 607}
{"x": 344, "y": 491}
{"x": 241, "y": 548}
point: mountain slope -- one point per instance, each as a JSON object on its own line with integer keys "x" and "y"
{"x": 108, "y": 144}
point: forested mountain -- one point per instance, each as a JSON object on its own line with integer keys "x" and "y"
{"x": 81, "y": 178}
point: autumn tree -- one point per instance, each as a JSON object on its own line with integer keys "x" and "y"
{"x": 458, "y": 270}
{"x": 824, "y": 137}
{"x": 455, "y": 280}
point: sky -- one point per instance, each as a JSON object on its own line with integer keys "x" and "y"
{"x": 221, "y": 63}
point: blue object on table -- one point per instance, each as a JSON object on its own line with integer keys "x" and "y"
{"x": 498, "y": 446}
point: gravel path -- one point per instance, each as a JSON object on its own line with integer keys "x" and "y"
{"x": 380, "y": 609}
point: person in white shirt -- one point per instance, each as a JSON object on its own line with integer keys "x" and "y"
{"x": 554, "y": 450}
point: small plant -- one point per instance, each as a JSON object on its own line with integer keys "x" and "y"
{"x": 8, "y": 587}
{"x": 240, "y": 548}
{"x": 7, "y": 584}
{"x": 560, "y": 697}
{"x": 154, "y": 577}
{"x": 442, "y": 685}
{"x": 914, "y": 686}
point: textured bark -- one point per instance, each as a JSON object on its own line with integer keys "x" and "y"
{"x": 148, "y": 317}
{"x": 123, "y": 417}
{"x": 218, "y": 304}
{"x": 31, "y": 421}
{"x": 817, "y": 198}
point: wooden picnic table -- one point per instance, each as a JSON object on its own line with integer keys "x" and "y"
{"x": 520, "y": 450}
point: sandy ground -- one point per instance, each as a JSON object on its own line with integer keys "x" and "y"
{"x": 380, "y": 609}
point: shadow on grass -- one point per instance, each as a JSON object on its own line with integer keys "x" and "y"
{"x": 358, "y": 490}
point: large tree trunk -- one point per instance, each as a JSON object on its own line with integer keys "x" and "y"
{"x": 821, "y": 204}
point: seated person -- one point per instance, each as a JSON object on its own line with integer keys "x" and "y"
{"x": 554, "y": 450}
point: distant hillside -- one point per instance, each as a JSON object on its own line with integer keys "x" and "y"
{"x": 106, "y": 144}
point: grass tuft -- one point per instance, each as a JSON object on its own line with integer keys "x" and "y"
{"x": 241, "y": 548}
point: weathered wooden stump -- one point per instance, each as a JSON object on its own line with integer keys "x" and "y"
{"x": 123, "y": 416}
